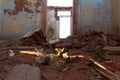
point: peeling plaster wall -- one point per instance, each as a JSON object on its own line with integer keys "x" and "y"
{"x": 94, "y": 14}
{"x": 19, "y": 17}
{"x": 98, "y": 15}
{"x": 53, "y": 23}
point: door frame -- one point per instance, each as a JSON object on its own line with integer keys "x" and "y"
{"x": 74, "y": 17}
{"x": 44, "y": 16}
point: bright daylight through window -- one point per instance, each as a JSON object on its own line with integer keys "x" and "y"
{"x": 65, "y": 16}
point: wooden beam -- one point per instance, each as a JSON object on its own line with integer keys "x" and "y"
{"x": 116, "y": 49}
{"x": 75, "y": 14}
{"x": 60, "y": 8}
{"x": 105, "y": 71}
{"x": 19, "y": 48}
{"x": 44, "y": 14}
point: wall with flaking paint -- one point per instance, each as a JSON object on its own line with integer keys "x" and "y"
{"x": 52, "y": 23}
{"x": 94, "y": 14}
{"x": 19, "y": 17}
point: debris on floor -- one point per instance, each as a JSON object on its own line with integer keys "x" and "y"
{"x": 33, "y": 37}
{"x": 5, "y": 43}
{"x": 34, "y": 60}
{"x": 24, "y": 72}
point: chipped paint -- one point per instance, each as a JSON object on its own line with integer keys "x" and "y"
{"x": 5, "y": 1}
{"x": 28, "y": 6}
{"x": 8, "y": 5}
{"x": 17, "y": 25}
{"x": 52, "y": 22}
{"x": 20, "y": 16}
{"x": 18, "y": 21}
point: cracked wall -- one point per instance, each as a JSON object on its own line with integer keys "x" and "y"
{"x": 19, "y": 17}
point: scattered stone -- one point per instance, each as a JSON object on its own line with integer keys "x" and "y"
{"x": 24, "y": 72}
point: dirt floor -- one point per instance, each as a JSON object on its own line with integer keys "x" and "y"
{"x": 79, "y": 68}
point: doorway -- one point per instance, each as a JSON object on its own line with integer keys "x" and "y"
{"x": 60, "y": 13}
{"x": 65, "y": 23}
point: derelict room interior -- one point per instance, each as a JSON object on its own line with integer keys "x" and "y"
{"x": 59, "y": 39}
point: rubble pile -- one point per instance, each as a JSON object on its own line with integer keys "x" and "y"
{"x": 5, "y": 43}
{"x": 21, "y": 63}
{"x": 32, "y": 38}
{"x": 89, "y": 40}
{"x": 113, "y": 39}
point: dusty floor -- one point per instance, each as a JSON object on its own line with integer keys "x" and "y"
{"x": 77, "y": 69}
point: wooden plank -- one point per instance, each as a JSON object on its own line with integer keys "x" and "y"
{"x": 19, "y": 47}
{"x": 29, "y": 52}
{"x": 116, "y": 49}
{"x": 105, "y": 71}
{"x": 105, "y": 74}
{"x": 113, "y": 66}
{"x": 112, "y": 50}
{"x": 44, "y": 13}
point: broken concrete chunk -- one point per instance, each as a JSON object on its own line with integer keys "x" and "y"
{"x": 34, "y": 37}
{"x": 89, "y": 40}
{"x": 24, "y": 72}
{"x": 5, "y": 43}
